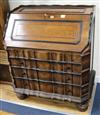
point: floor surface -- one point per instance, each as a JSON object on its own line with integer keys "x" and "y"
{"x": 7, "y": 93}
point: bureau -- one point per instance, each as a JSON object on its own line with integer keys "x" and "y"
{"x": 50, "y": 52}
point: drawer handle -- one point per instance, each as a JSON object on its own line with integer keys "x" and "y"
{"x": 21, "y": 63}
{"x": 45, "y": 15}
{"x": 23, "y": 73}
{"x": 68, "y": 79}
{"x": 52, "y": 17}
{"x": 62, "y": 16}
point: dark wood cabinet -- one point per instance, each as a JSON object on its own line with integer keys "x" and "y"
{"x": 50, "y": 52}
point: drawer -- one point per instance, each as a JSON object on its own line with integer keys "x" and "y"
{"x": 68, "y": 90}
{"x": 85, "y": 90}
{"x": 85, "y": 77}
{"x": 77, "y": 79}
{"x": 26, "y": 84}
{"x": 76, "y": 58}
{"x": 32, "y": 74}
{"x": 67, "y": 67}
{"x": 43, "y": 65}
{"x": 46, "y": 87}
{"x": 29, "y": 53}
{"x": 56, "y": 56}
{"x": 86, "y": 62}
{"x": 16, "y": 52}
{"x": 18, "y": 72}
{"x": 43, "y": 75}
{"x": 43, "y": 55}
{"x": 76, "y": 91}
{"x": 67, "y": 56}
{"x": 58, "y": 89}
{"x": 57, "y": 66}
{"x": 34, "y": 85}
{"x": 67, "y": 78}
{"x": 81, "y": 80}
{"x": 18, "y": 83}
{"x": 57, "y": 77}
{"x": 21, "y": 83}
{"x": 30, "y": 63}
{"x": 17, "y": 62}
{"x": 13, "y": 52}
{"x": 76, "y": 68}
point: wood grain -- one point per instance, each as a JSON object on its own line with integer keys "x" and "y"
{"x": 50, "y": 53}
{"x": 74, "y": 39}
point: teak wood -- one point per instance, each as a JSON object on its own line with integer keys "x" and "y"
{"x": 50, "y": 52}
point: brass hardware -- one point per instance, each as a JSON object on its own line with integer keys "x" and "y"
{"x": 62, "y": 16}
{"x": 51, "y": 16}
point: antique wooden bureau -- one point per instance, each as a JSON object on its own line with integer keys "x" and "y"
{"x": 50, "y": 52}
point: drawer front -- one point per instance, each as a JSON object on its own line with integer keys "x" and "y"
{"x": 17, "y": 62}
{"x": 43, "y": 65}
{"x": 50, "y": 71}
{"x": 68, "y": 90}
{"x": 42, "y": 55}
{"x": 21, "y": 83}
{"x": 46, "y": 87}
{"x": 32, "y": 74}
{"x": 58, "y": 89}
{"x": 86, "y": 61}
{"x": 34, "y": 85}
{"x": 18, "y": 83}
{"x": 57, "y": 77}
{"x": 67, "y": 78}
{"x": 30, "y": 63}
{"x": 76, "y": 58}
{"x": 43, "y": 75}
{"x": 16, "y": 52}
{"x": 17, "y": 72}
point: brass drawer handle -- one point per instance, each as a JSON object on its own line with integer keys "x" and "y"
{"x": 51, "y": 17}
{"x": 62, "y": 16}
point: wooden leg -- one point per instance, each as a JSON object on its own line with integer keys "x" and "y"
{"x": 82, "y": 107}
{"x": 21, "y": 96}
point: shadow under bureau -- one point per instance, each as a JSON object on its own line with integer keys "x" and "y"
{"x": 50, "y": 52}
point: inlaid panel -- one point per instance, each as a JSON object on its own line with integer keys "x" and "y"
{"x": 49, "y": 31}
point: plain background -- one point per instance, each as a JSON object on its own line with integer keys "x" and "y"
{"x": 96, "y": 66}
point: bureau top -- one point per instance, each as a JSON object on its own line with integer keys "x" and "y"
{"x": 68, "y": 9}
{"x": 64, "y": 28}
